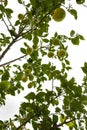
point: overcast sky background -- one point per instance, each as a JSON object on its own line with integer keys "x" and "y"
{"x": 78, "y": 54}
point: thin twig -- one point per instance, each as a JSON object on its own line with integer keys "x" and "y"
{"x": 8, "y": 47}
{"x": 5, "y": 24}
{"x": 11, "y": 61}
{"x": 20, "y": 36}
{"x": 25, "y": 122}
{"x": 84, "y": 5}
{"x": 61, "y": 124}
{"x": 52, "y": 79}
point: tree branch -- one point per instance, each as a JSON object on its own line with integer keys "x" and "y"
{"x": 25, "y": 122}
{"x": 13, "y": 60}
{"x": 8, "y": 47}
{"x": 61, "y": 124}
{"x": 21, "y": 35}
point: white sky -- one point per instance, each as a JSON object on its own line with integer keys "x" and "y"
{"x": 78, "y": 54}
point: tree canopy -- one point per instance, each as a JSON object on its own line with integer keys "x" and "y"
{"x": 54, "y": 100}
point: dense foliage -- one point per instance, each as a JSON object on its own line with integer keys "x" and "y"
{"x": 54, "y": 100}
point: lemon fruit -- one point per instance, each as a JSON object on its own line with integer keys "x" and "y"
{"x": 30, "y": 84}
{"x": 29, "y": 50}
{"x": 56, "y": 42}
{"x": 50, "y": 54}
{"x": 59, "y": 14}
{"x": 4, "y": 85}
{"x": 20, "y": 16}
{"x": 25, "y": 78}
{"x": 61, "y": 53}
{"x": 35, "y": 47}
{"x": 25, "y": 65}
{"x": 28, "y": 71}
{"x": 31, "y": 77}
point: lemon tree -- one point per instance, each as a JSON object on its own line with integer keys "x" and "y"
{"x": 41, "y": 66}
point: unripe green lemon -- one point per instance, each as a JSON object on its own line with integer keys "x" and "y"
{"x": 50, "y": 54}
{"x": 4, "y": 84}
{"x": 61, "y": 53}
{"x": 20, "y": 16}
{"x": 56, "y": 41}
{"x": 28, "y": 71}
{"x": 59, "y": 14}
{"x": 25, "y": 65}
{"x": 24, "y": 79}
{"x": 30, "y": 85}
{"x": 29, "y": 50}
{"x": 35, "y": 47}
{"x": 31, "y": 77}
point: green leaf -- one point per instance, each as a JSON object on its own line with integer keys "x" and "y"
{"x": 34, "y": 55}
{"x": 75, "y": 41}
{"x": 5, "y": 2}
{"x": 84, "y": 99}
{"x": 1, "y": 72}
{"x": 20, "y": 1}
{"x": 70, "y": 124}
{"x": 45, "y": 40}
{"x": 80, "y": 1}
{"x": 72, "y": 33}
{"x": 76, "y": 105}
{"x": 35, "y": 125}
{"x": 67, "y": 62}
{"x": 55, "y": 119}
{"x": 1, "y": 15}
{"x": 13, "y": 33}
{"x": 17, "y": 22}
{"x": 78, "y": 91}
{"x": 8, "y": 12}
{"x": 19, "y": 76}
{"x": 57, "y": 109}
{"x": 35, "y": 40}
{"x": 2, "y": 8}
{"x": 34, "y": 3}
{"x": 30, "y": 96}
{"x": 84, "y": 68}
{"x": 25, "y": 44}
{"x": 81, "y": 37}
{"x": 56, "y": 34}
{"x": 23, "y": 50}
{"x": 40, "y": 96}
{"x": 28, "y": 36}
{"x": 62, "y": 118}
{"x": 74, "y": 13}
{"x": 5, "y": 76}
